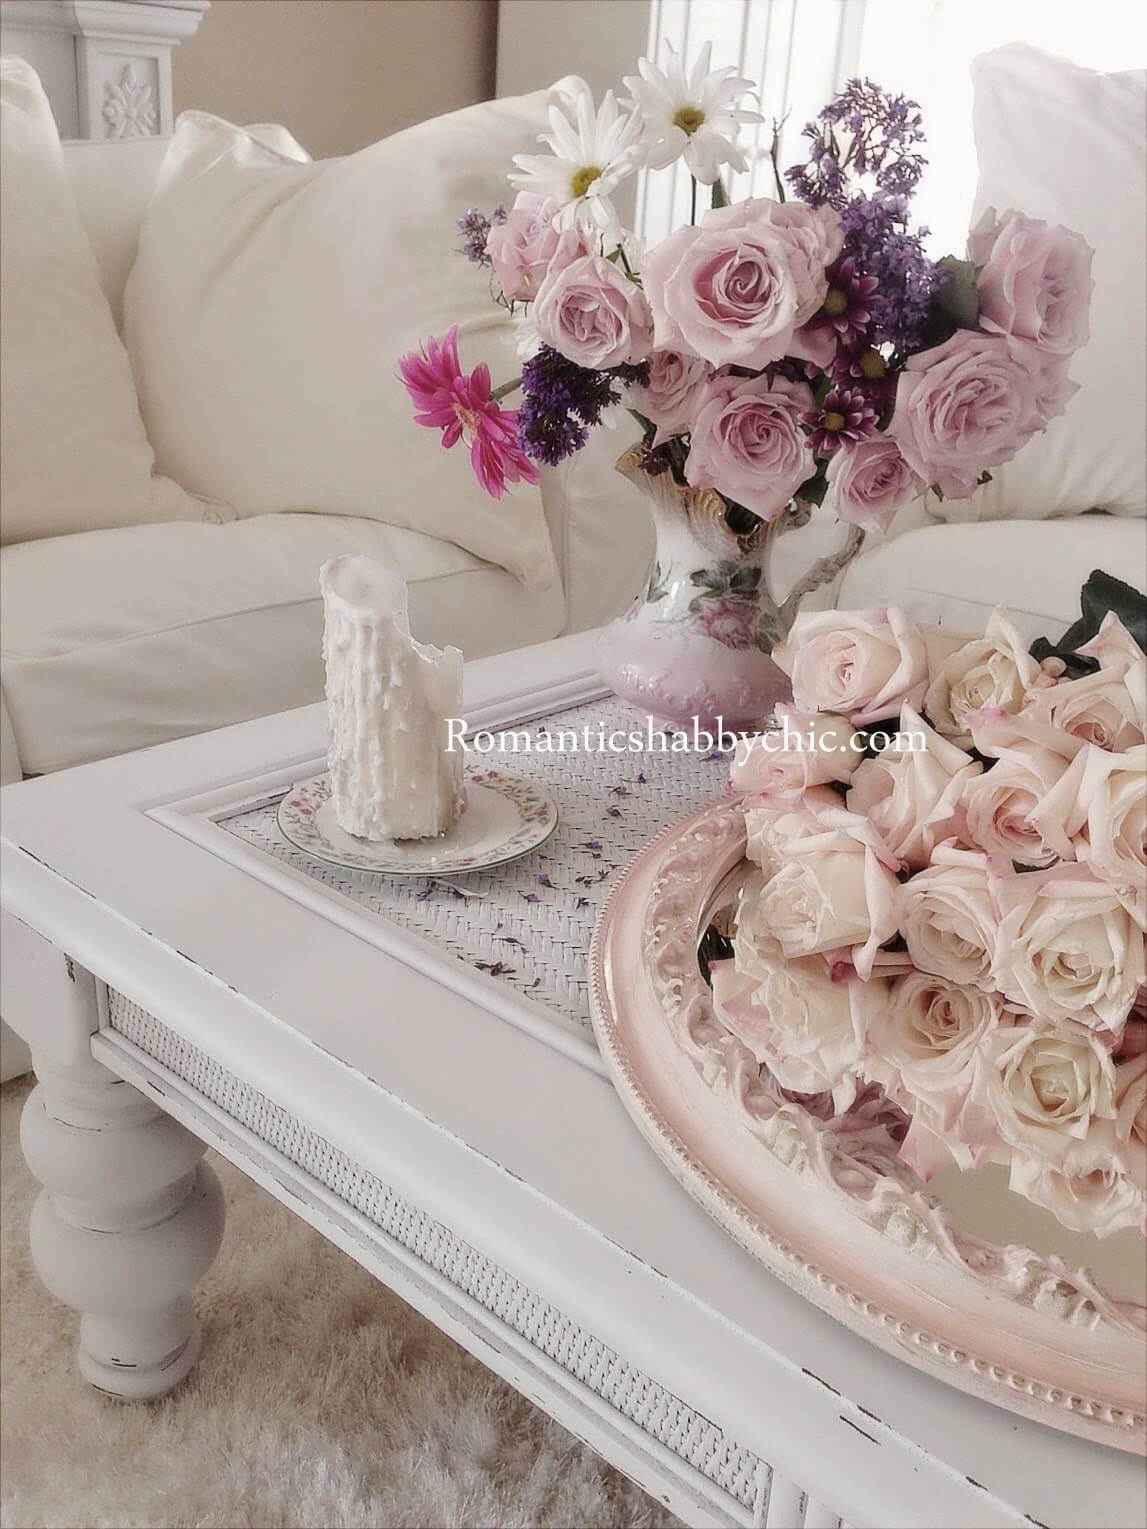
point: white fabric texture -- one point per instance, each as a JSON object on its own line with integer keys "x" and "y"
{"x": 1067, "y": 144}
{"x": 270, "y": 301}
{"x": 73, "y": 447}
{"x": 955, "y": 574}
{"x": 112, "y": 184}
{"x": 120, "y": 639}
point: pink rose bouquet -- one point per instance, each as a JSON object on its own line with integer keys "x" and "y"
{"x": 949, "y": 910}
{"x": 775, "y": 349}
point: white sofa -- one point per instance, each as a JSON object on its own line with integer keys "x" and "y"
{"x": 115, "y": 639}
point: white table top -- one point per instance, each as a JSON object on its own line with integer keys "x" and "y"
{"x": 517, "y": 1144}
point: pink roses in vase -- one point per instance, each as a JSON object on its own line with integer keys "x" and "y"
{"x": 774, "y": 351}
{"x": 952, "y": 901}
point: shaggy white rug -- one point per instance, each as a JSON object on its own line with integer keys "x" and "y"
{"x": 322, "y": 1401}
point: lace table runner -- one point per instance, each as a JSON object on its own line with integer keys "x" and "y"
{"x": 529, "y": 923}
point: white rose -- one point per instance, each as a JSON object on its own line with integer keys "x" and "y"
{"x": 995, "y": 671}
{"x": 923, "y": 1044}
{"x": 859, "y": 664}
{"x": 1097, "y": 812}
{"x": 912, "y": 790}
{"x": 1106, "y": 708}
{"x": 1067, "y": 949}
{"x": 1131, "y": 1117}
{"x": 1048, "y": 1089}
{"x": 948, "y": 918}
{"x": 835, "y": 888}
{"x": 808, "y": 749}
{"x": 999, "y": 804}
{"x": 1101, "y": 1201}
{"x": 1113, "y": 645}
{"x": 769, "y": 828}
{"x": 792, "y": 1016}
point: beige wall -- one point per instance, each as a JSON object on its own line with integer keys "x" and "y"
{"x": 338, "y": 73}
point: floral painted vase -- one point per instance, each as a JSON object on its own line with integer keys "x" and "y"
{"x": 696, "y": 642}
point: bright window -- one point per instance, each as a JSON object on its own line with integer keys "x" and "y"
{"x": 802, "y": 51}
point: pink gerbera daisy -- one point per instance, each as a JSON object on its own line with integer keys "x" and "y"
{"x": 461, "y": 407}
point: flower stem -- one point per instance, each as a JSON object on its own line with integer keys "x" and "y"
{"x": 497, "y": 394}
{"x": 692, "y": 199}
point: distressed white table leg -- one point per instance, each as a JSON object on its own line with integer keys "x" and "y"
{"x": 128, "y": 1220}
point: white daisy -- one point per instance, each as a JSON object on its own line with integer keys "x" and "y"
{"x": 694, "y": 115}
{"x": 592, "y": 154}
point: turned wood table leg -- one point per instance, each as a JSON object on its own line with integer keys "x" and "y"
{"x": 127, "y": 1220}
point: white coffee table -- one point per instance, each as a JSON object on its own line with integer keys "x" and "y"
{"x": 441, "y": 1114}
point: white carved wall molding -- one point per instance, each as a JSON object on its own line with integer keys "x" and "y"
{"x": 105, "y": 64}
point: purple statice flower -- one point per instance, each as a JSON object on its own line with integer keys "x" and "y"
{"x": 845, "y": 417}
{"x": 906, "y": 283}
{"x": 864, "y": 161}
{"x": 864, "y": 131}
{"x": 474, "y": 226}
{"x": 561, "y": 401}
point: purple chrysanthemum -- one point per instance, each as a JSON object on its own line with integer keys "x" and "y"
{"x": 847, "y": 307}
{"x": 474, "y": 226}
{"x": 845, "y": 416}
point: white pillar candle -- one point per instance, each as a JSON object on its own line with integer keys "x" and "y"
{"x": 389, "y": 697}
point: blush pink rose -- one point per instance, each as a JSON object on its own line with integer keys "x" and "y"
{"x": 834, "y": 888}
{"x": 1000, "y": 805}
{"x": 1101, "y": 1202}
{"x": 870, "y": 481}
{"x": 794, "y": 1018}
{"x": 964, "y": 406}
{"x": 1067, "y": 949}
{"x": 522, "y": 247}
{"x": 1113, "y": 645}
{"x": 861, "y": 664}
{"x": 922, "y": 1046}
{"x": 748, "y": 444}
{"x": 734, "y": 288}
{"x": 1131, "y": 1116}
{"x": 1034, "y": 280}
{"x": 1097, "y": 812}
{"x": 808, "y": 749}
{"x": 677, "y": 384}
{"x": 594, "y": 314}
{"x": 948, "y": 918}
{"x": 994, "y": 671}
{"x": 1107, "y": 708}
{"x": 912, "y": 790}
{"x": 1049, "y": 1089}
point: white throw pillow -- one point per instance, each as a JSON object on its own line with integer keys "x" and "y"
{"x": 73, "y": 452}
{"x": 1067, "y": 144}
{"x": 270, "y": 301}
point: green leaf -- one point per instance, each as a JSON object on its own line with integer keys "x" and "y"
{"x": 718, "y": 199}
{"x": 813, "y": 490}
{"x": 707, "y": 578}
{"x": 957, "y": 298}
{"x": 1101, "y": 593}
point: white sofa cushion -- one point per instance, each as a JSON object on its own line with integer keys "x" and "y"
{"x": 118, "y": 639}
{"x": 72, "y": 444}
{"x": 955, "y": 574}
{"x": 1067, "y": 144}
{"x": 269, "y": 303}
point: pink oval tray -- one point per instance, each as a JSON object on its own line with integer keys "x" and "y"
{"x": 934, "y": 1278}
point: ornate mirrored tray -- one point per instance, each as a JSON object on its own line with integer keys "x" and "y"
{"x": 962, "y": 1279}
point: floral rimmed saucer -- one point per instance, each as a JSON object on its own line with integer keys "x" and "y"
{"x": 505, "y": 817}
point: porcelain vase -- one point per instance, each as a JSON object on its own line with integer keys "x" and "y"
{"x": 697, "y": 642}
